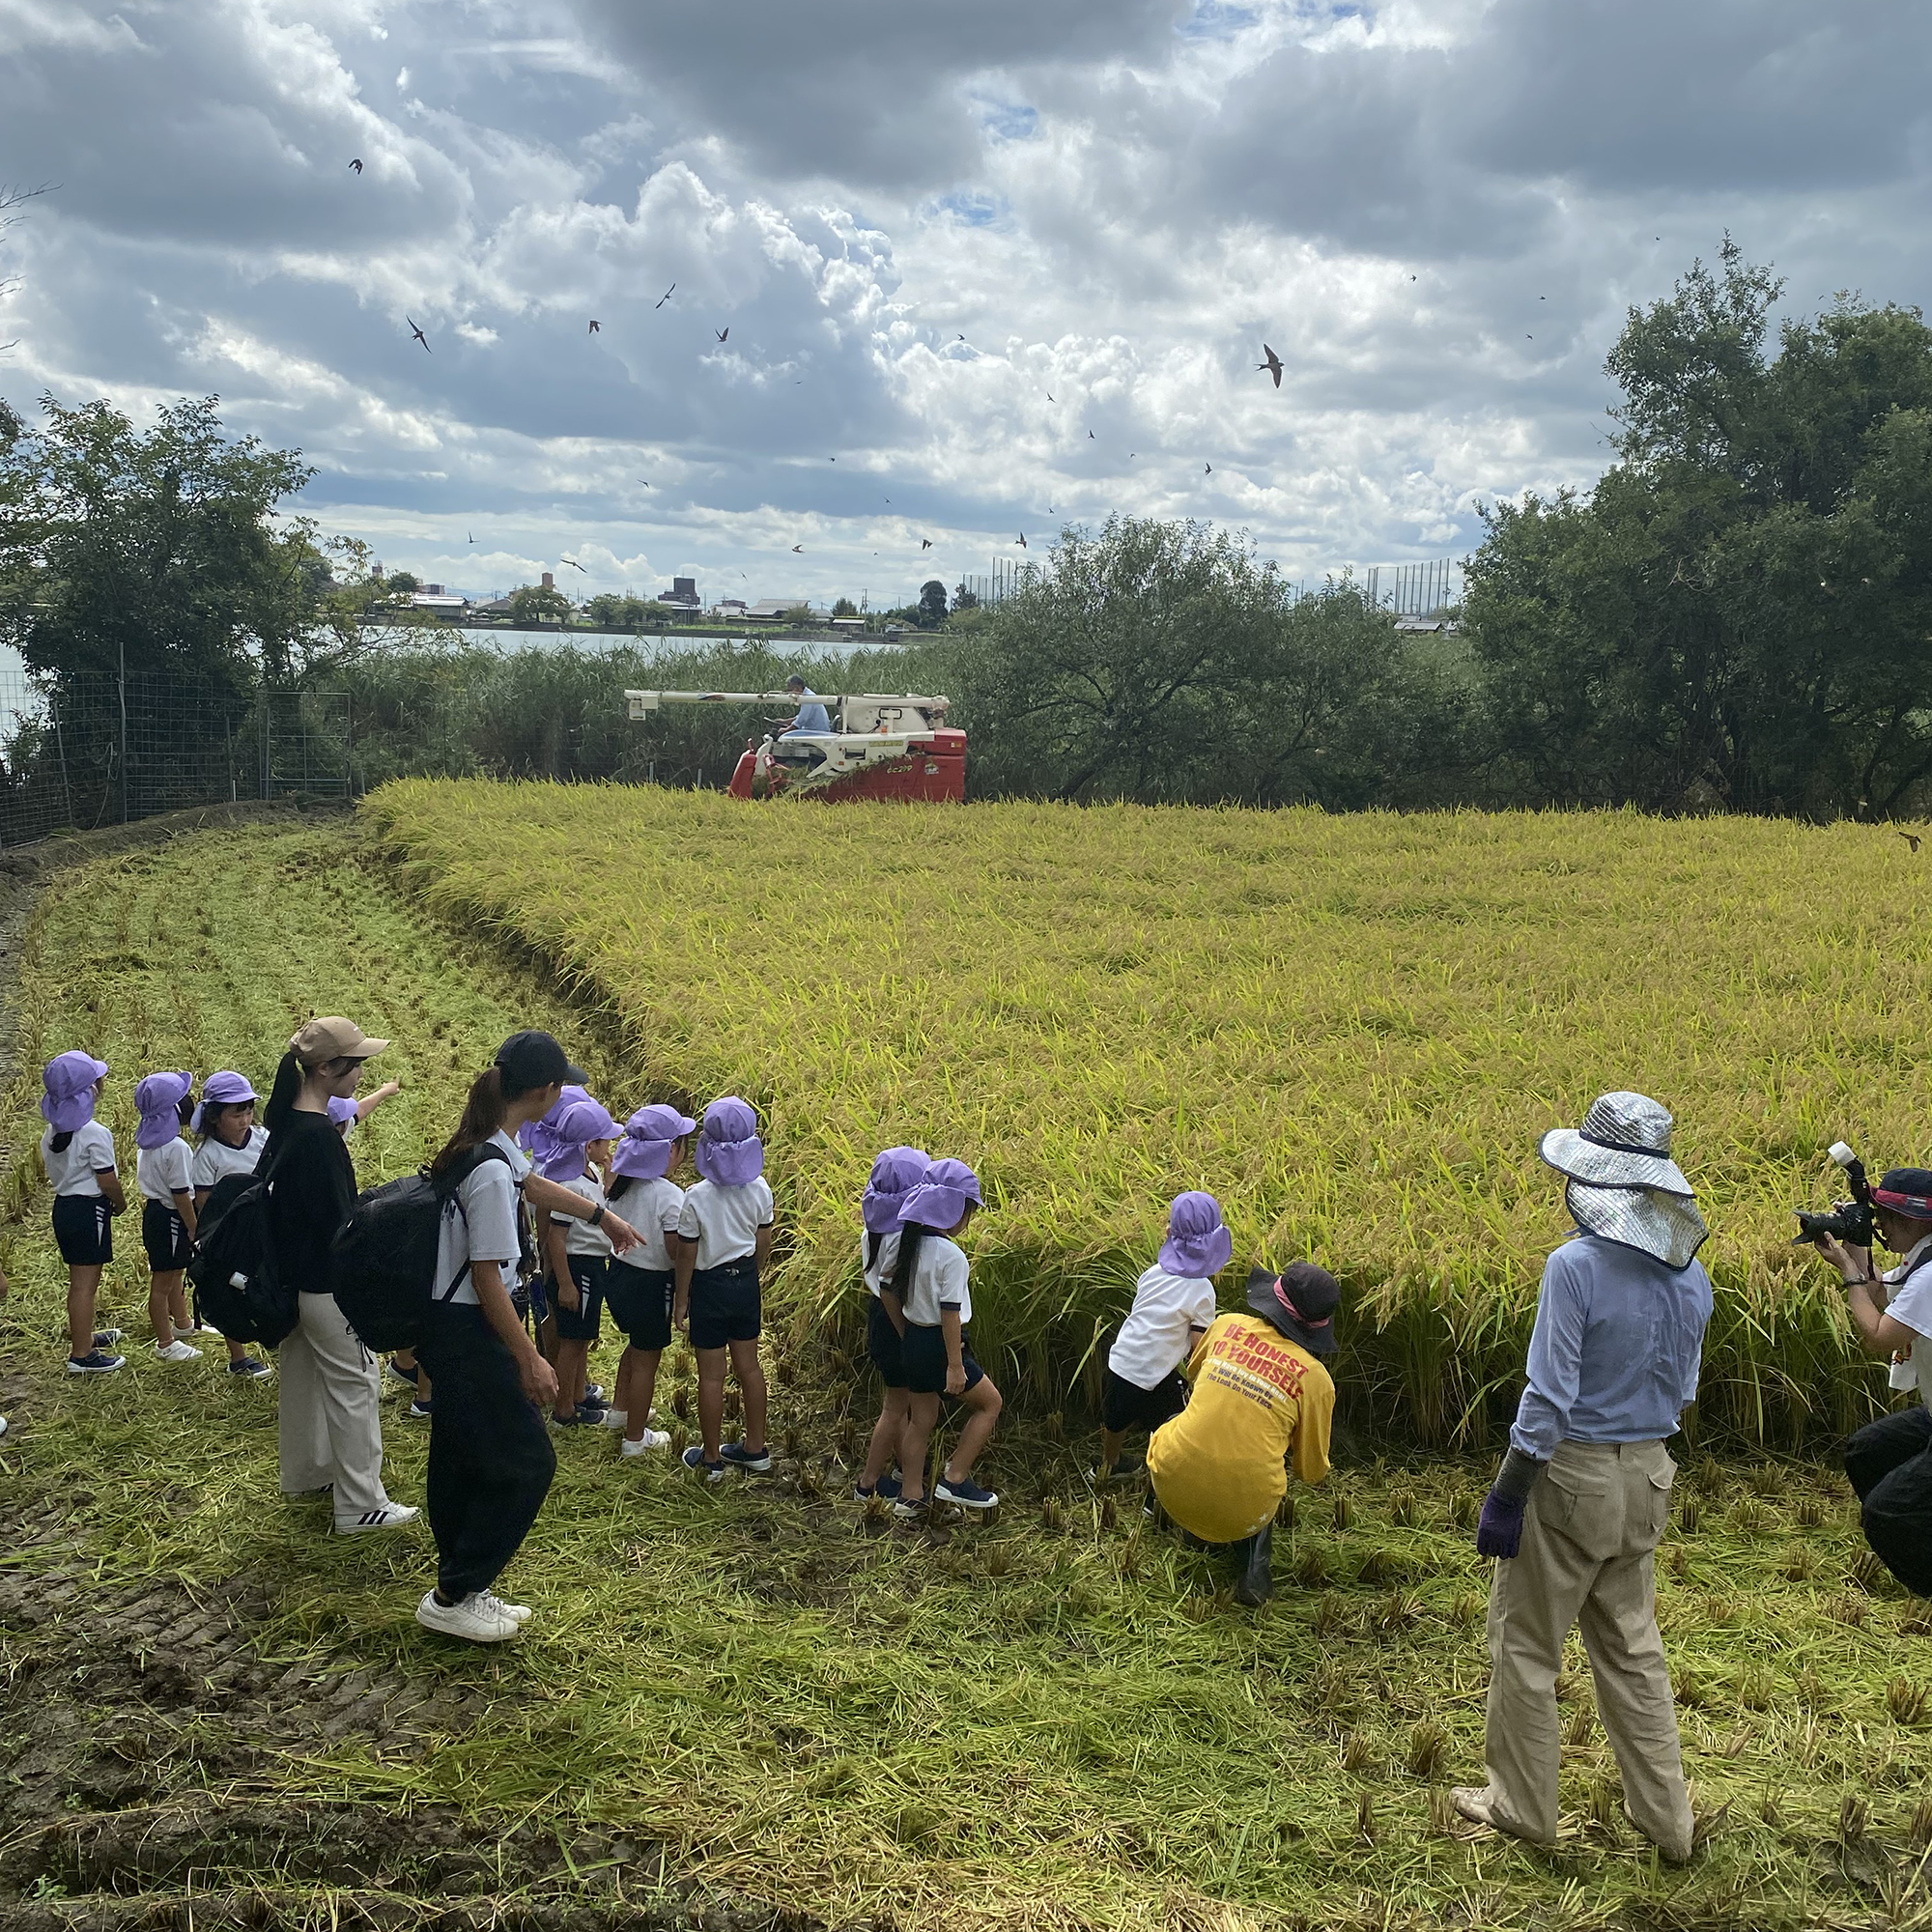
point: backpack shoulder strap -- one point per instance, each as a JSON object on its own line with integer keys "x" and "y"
{"x": 446, "y": 1191}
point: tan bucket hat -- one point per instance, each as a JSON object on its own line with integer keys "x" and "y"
{"x": 332, "y": 1037}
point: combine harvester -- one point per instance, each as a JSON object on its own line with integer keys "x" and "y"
{"x": 883, "y": 747}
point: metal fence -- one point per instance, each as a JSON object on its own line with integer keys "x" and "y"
{"x": 96, "y": 749}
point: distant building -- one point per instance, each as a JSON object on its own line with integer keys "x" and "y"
{"x": 683, "y": 593}
{"x": 434, "y": 597}
{"x": 848, "y": 623}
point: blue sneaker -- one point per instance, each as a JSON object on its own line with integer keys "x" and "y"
{"x": 249, "y": 1369}
{"x": 400, "y": 1373}
{"x": 741, "y": 1457}
{"x": 886, "y": 1490}
{"x": 96, "y": 1362}
{"x": 962, "y": 1494}
{"x": 694, "y": 1459}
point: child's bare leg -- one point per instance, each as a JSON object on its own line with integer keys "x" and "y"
{"x": 81, "y": 1286}
{"x": 620, "y": 1389}
{"x": 751, "y": 1373}
{"x": 163, "y": 1292}
{"x": 922, "y": 1417}
{"x": 985, "y": 1403}
{"x": 177, "y": 1300}
{"x": 643, "y": 1387}
{"x": 888, "y": 1433}
{"x": 711, "y": 1399}
{"x": 571, "y": 1357}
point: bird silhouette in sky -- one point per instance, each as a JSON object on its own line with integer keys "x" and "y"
{"x": 355, "y": 166}
{"x": 646, "y": 481}
{"x": 1210, "y": 469}
{"x": 666, "y": 296}
{"x": 723, "y": 332}
{"x": 1411, "y": 279}
{"x": 962, "y": 338}
{"x": 1049, "y": 395}
{"x": 1091, "y": 437}
{"x": 573, "y": 563}
{"x": 798, "y": 550}
{"x": 925, "y": 543}
{"x": 593, "y": 327}
{"x": 417, "y": 333}
{"x": 472, "y": 536}
{"x": 1272, "y": 365}
{"x": 1910, "y": 838}
{"x": 1022, "y": 540}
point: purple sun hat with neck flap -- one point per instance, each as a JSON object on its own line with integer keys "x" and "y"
{"x": 649, "y": 1136}
{"x": 341, "y": 1110}
{"x": 728, "y": 1153}
{"x": 68, "y": 1105}
{"x": 894, "y": 1172}
{"x": 1198, "y": 1244}
{"x": 538, "y": 1138}
{"x": 226, "y": 1089}
{"x": 940, "y": 1201}
{"x": 158, "y": 1099}
{"x": 575, "y": 1128}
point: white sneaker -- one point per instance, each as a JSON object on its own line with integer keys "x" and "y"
{"x": 478, "y": 1617}
{"x": 518, "y": 1613}
{"x": 651, "y": 1438}
{"x": 616, "y": 1418}
{"x": 177, "y": 1350}
{"x": 3, "y": 1425}
{"x": 390, "y": 1515}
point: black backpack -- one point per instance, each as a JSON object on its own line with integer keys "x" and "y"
{"x": 236, "y": 1282}
{"x": 382, "y": 1260}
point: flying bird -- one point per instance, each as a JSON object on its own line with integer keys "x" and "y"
{"x": 417, "y": 333}
{"x": 1023, "y": 541}
{"x": 573, "y": 563}
{"x": 472, "y": 536}
{"x": 1210, "y": 469}
{"x": 1049, "y": 395}
{"x": 666, "y": 296}
{"x": 962, "y": 338}
{"x": 646, "y": 481}
{"x": 723, "y": 332}
{"x": 925, "y": 543}
{"x": 1910, "y": 838}
{"x": 1272, "y": 365}
{"x": 798, "y": 550}
{"x": 355, "y": 166}
{"x": 1091, "y": 437}
{"x": 593, "y": 327}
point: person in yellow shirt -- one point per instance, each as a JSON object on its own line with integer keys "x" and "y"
{"x": 1263, "y": 1399}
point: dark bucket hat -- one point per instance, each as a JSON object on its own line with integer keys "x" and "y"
{"x": 1300, "y": 1301}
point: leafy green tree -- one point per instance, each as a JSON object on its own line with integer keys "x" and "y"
{"x": 1739, "y": 616}
{"x": 932, "y": 605}
{"x": 402, "y": 584}
{"x": 845, "y": 607}
{"x": 538, "y": 604}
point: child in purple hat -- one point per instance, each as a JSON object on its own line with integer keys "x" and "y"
{"x": 1174, "y": 1307}
{"x": 79, "y": 1155}
{"x": 894, "y": 1174}
{"x": 643, "y": 1284}
{"x": 165, "y": 1103}
{"x": 578, "y": 1253}
{"x": 227, "y": 1142}
{"x": 929, "y": 1283}
{"x": 723, "y": 1241}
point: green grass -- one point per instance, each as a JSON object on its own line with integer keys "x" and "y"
{"x": 1057, "y": 1719}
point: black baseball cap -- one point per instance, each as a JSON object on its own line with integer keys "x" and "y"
{"x": 533, "y": 1059}
{"x": 1300, "y": 1301}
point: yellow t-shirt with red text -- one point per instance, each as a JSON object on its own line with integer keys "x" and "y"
{"x": 1220, "y": 1466}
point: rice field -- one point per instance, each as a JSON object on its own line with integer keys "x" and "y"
{"x": 763, "y": 1697}
{"x": 1352, "y": 1030}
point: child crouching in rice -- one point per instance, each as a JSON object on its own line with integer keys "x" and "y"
{"x": 1174, "y": 1307}
{"x": 641, "y": 1286}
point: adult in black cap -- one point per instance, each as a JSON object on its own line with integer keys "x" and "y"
{"x": 1890, "y": 1460}
{"x": 1262, "y": 1398}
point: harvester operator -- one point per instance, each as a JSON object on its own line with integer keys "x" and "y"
{"x": 812, "y": 715}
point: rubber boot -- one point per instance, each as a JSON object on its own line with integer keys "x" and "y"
{"x": 1256, "y": 1581}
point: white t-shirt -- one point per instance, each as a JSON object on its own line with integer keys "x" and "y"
{"x": 1912, "y": 1305}
{"x": 1154, "y": 1339}
{"x": 215, "y": 1160}
{"x": 880, "y": 1271}
{"x": 484, "y": 1228}
{"x": 580, "y": 1237}
{"x": 652, "y": 1208}
{"x": 939, "y": 1279}
{"x": 89, "y": 1152}
{"x": 724, "y": 1221}
{"x": 163, "y": 1172}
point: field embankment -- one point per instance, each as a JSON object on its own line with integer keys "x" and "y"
{"x": 1352, "y": 1030}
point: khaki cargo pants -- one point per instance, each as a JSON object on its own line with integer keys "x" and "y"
{"x": 1589, "y": 1534}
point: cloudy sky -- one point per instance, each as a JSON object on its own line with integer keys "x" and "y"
{"x": 985, "y": 267}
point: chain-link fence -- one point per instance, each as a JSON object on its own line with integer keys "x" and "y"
{"x": 95, "y": 749}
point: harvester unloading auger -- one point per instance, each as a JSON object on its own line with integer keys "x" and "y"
{"x": 884, "y": 746}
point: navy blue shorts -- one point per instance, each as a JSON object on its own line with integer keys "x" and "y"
{"x": 639, "y": 1303}
{"x": 82, "y": 1229}
{"x": 582, "y": 1323}
{"x": 724, "y": 1305}
{"x": 924, "y": 1353}
{"x": 884, "y": 1346}
{"x": 1125, "y": 1405}
{"x": 164, "y": 1235}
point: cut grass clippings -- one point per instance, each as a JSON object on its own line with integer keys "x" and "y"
{"x": 1055, "y": 1720}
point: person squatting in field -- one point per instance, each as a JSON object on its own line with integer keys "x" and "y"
{"x": 1583, "y": 1494}
{"x": 1890, "y": 1460}
{"x": 723, "y": 1239}
{"x": 1263, "y": 1402}
{"x": 1174, "y": 1306}
{"x": 894, "y": 1174}
{"x": 931, "y": 1304}
{"x": 643, "y": 1284}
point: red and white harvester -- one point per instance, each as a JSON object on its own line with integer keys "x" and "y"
{"x": 881, "y": 746}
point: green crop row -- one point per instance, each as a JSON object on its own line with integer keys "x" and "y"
{"x": 1352, "y": 1030}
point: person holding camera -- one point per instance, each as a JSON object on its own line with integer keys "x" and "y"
{"x": 1890, "y": 1460}
{"x": 1583, "y": 1494}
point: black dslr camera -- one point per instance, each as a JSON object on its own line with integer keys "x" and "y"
{"x": 1854, "y": 1224}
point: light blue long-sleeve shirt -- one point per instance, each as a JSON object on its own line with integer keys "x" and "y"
{"x": 812, "y": 716}
{"x": 1616, "y": 1348}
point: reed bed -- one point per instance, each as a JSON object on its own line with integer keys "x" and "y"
{"x": 1352, "y": 1030}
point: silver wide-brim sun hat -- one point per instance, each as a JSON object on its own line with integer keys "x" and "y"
{"x": 1623, "y": 1186}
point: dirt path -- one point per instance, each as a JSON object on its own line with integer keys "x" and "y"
{"x": 140, "y": 1724}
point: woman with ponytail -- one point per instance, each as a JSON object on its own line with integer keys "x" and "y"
{"x": 332, "y": 1422}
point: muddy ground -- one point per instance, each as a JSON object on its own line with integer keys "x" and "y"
{"x": 137, "y": 1785}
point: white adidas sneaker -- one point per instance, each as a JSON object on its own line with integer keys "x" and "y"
{"x": 177, "y": 1350}
{"x": 477, "y": 1618}
{"x": 390, "y": 1515}
{"x": 651, "y": 1438}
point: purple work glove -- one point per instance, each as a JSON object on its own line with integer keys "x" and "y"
{"x": 1499, "y": 1529}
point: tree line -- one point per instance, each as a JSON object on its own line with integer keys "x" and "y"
{"x": 1737, "y": 617}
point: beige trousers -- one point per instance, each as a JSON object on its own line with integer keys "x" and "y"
{"x": 1589, "y": 1534}
{"x": 331, "y": 1410}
